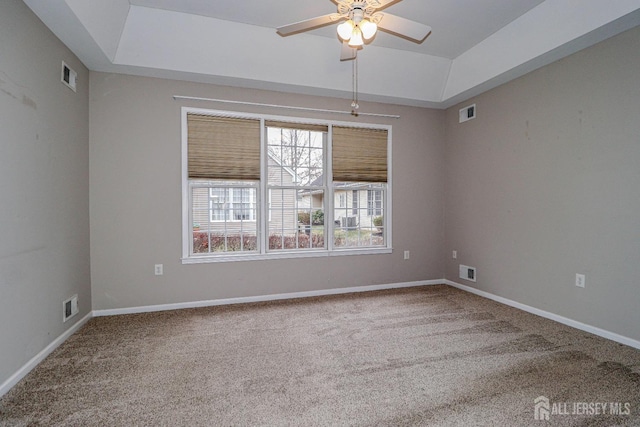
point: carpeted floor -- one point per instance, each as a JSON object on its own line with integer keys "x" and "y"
{"x": 431, "y": 355}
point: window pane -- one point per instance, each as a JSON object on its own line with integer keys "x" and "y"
{"x": 354, "y": 202}
{"x": 296, "y": 185}
{"x": 295, "y": 152}
{"x": 360, "y": 223}
{"x": 204, "y": 242}
{"x": 296, "y": 222}
{"x": 200, "y": 207}
{"x": 224, "y": 217}
{"x": 233, "y": 204}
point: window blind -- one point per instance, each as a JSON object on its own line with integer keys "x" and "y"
{"x": 359, "y": 154}
{"x": 298, "y": 126}
{"x": 223, "y": 147}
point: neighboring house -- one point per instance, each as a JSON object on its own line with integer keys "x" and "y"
{"x": 352, "y": 207}
{"x": 235, "y": 209}
{"x": 357, "y": 207}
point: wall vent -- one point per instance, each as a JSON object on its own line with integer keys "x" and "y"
{"x": 69, "y": 76}
{"x": 468, "y": 113}
{"x": 468, "y": 273}
{"x": 70, "y": 308}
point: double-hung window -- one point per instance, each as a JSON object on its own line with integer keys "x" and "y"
{"x": 260, "y": 187}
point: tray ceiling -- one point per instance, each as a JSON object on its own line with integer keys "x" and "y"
{"x": 475, "y": 44}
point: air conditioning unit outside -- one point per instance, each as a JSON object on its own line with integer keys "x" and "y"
{"x": 348, "y": 222}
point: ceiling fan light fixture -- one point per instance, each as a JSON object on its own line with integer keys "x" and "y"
{"x": 368, "y": 29}
{"x": 346, "y": 29}
{"x": 356, "y": 37}
{"x": 357, "y": 23}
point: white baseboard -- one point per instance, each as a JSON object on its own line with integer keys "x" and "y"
{"x": 261, "y": 298}
{"x": 560, "y": 319}
{"x": 35, "y": 360}
{"x": 24, "y": 370}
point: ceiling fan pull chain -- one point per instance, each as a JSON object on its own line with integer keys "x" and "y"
{"x": 354, "y": 102}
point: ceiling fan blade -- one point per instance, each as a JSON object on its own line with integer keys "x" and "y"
{"x": 309, "y": 24}
{"x": 381, "y": 4}
{"x": 406, "y": 28}
{"x": 347, "y": 53}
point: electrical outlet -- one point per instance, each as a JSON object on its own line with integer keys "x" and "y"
{"x": 580, "y": 280}
{"x": 454, "y": 254}
{"x": 159, "y": 270}
{"x": 407, "y": 255}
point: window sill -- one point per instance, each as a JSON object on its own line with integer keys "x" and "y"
{"x": 284, "y": 255}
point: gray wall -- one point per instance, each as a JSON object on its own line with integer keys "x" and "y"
{"x": 44, "y": 187}
{"x": 135, "y": 174}
{"x": 542, "y": 185}
{"x": 545, "y": 183}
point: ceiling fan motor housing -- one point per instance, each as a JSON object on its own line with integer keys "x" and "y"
{"x": 355, "y": 9}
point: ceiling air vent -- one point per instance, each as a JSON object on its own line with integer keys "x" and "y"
{"x": 468, "y": 113}
{"x": 69, "y": 76}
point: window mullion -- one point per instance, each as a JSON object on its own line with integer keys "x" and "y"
{"x": 189, "y": 250}
{"x": 328, "y": 190}
{"x": 263, "y": 213}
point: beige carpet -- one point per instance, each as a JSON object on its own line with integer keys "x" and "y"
{"x": 419, "y": 356}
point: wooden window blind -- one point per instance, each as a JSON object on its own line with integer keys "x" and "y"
{"x": 359, "y": 154}
{"x": 223, "y": 147}
{"x": 298, "y": 126}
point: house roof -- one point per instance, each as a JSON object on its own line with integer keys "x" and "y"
{"x": 319, "y": 181}
{"x": 474, "y": 45}
{"x": 287, "y": 169}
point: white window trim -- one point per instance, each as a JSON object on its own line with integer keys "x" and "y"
{"x": 263, "y": 191}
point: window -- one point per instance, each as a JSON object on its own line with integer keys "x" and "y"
{"x": 362, "y": 228}
{"x": 232, "y": 204}
{"x": 260, "y": 187}
{"x": 374, "y": 202}
{"x": 224, "y": 217}
{"x": 295, "y": 180}
{"x": 354, "y": 202}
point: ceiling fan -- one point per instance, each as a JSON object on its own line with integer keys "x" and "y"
{"x": 360, "y": 21}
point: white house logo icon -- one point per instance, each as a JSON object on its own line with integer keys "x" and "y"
{"x": 542, "y": 409}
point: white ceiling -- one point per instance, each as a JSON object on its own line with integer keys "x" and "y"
{"x": 478, "y": 18}
{"x": 474, "y": 44}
